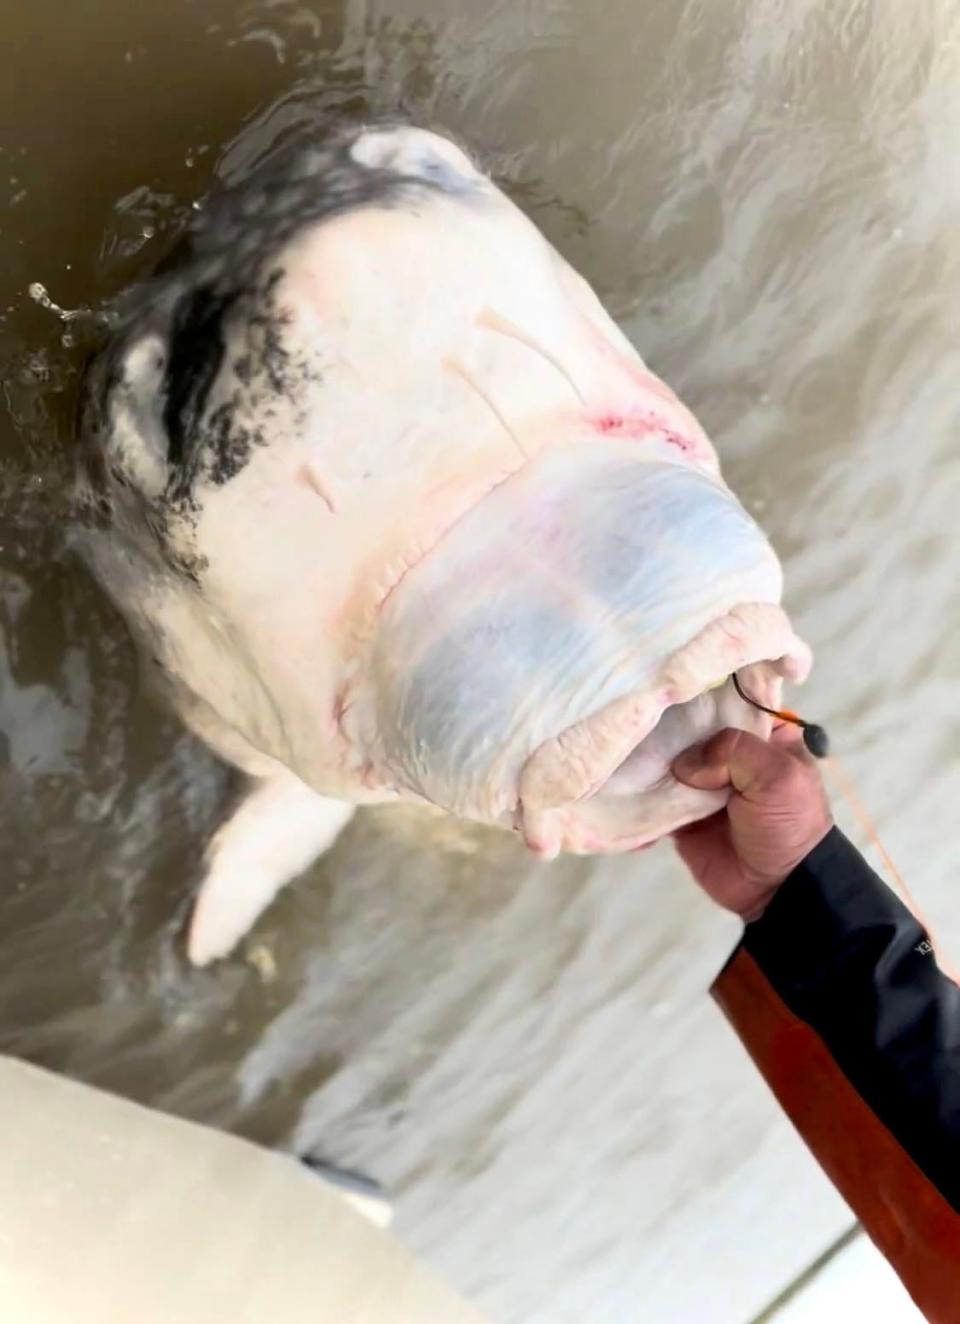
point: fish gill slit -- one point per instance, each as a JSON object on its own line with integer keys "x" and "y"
{"x": 453, "y": 366}
{"x": 491, "y": 320}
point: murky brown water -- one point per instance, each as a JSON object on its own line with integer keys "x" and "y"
{"x": 767, "y": 192}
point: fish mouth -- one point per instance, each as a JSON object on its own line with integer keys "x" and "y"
{"x": 528, "y": 671}
{"x": 605, "y": 786}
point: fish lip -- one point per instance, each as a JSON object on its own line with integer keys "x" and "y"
{"x": 575, "y": 764}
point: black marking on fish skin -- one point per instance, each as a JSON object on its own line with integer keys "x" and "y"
{"x": 225, "y": 269}
{"x": 194, "y": 360}
{"x": 231, "y": 441}
{"x": 276, "y": 368}
{"x": 266, "y": 369}
{"x": 277, "y": 359}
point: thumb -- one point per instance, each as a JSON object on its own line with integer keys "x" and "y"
{"x": 705, "y": 767}
{"x": 730, "y": 758}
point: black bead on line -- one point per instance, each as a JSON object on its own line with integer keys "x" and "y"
{"x": 814, "y": 737}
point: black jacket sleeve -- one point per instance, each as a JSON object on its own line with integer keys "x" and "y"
{"x": 836, "y": 993}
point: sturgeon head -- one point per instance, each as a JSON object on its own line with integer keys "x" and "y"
{"x": 392, "y": 500}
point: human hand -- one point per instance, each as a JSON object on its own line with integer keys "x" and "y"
{"x": 776, "y": 814}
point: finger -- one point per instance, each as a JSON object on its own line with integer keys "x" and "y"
{"x": 787, "y": 735}
{"x": 705, "y": 767}
{"x": 734, "y": 758}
